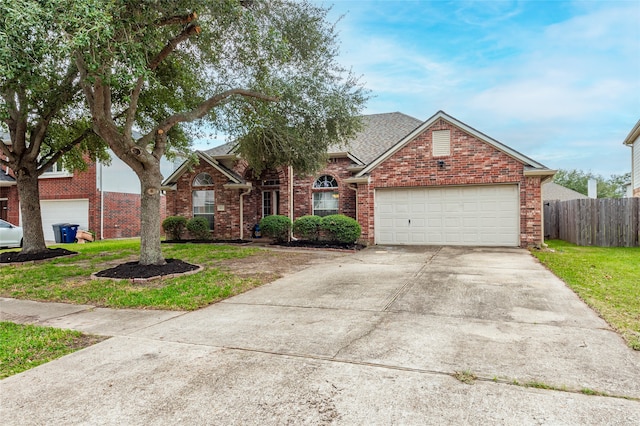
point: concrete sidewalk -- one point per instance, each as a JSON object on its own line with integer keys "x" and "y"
{"x": 370, "y": 338}
{"x": 85, "y": 318}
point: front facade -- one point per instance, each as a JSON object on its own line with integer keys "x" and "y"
{"x": 633, "y": 140}
{"x": 406, "y": 182}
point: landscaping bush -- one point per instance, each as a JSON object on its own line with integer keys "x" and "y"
{"x": 174, "y": 227}
{"x": 198, "y": 227}
{"x": 341, "y": 228}
{"x": 276, "y": 227}
{"x": 307, "y": 227}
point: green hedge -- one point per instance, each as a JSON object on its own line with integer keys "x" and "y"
{"x": 341, "y": 228}
{"x": 198, "y": 227}
{"x": 276, "y": 227}
{"x": 308, "y": 227}
{"x": 174, "y": 227}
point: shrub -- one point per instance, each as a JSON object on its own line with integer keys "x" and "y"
{"x": 174, "y": 226}
{"x": 276, "y": 227}
{"x": 341, "y": 228}
{"x": 198, "y": 227}
{"x": 307, "y": 227}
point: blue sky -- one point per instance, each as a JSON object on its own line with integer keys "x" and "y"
{"x": 558, "y": 81}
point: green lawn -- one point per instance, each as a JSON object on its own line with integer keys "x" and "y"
{"x": 26, "y": 346}
{"x": 68, "y": 279}
{"x": 606, "y": 278}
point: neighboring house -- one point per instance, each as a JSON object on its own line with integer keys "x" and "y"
{"x": 551, "y": 191}
{"x": 633, "y": 140}
{"x": 103, "y": 199}
{"x": 405, "y": 181}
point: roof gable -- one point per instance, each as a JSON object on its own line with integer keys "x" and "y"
{"x": 234, "y": 178}
{"x": 531, "y": 164}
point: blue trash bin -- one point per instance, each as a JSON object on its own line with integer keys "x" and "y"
{"x": 68, "y": 233}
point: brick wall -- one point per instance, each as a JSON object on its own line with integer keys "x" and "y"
{"x": 13, "y": 204}
{"x": 472, "y": 162}
{"x": 303, "y": 189}
{"x": 121, "y": 215}
{"x": 227, "y": 221}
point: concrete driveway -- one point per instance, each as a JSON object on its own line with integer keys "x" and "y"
{"x": 369, "y": 338}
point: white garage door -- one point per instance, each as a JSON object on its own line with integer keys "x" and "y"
{"x": 75, "y": 212}
{"x": 465, "y": 215}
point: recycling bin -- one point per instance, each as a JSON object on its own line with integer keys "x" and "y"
{"x": 68, "y": 232}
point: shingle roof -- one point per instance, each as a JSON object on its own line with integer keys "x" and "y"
{"x": 379, "y": 133}
{"x": 5, "y": 179}
{"x": 553, "y": 191}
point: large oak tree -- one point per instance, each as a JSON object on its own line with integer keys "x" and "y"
{"x": 263, "y": 72}
{"x": 40, "y": 101}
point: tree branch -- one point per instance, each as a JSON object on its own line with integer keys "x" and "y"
{"x": 201, "y": 110}
{"x": 63, "y": 94}
{"x": 166, "y": 51}
{"x": 60, "y": 152}
{"x": 179, "y": 19}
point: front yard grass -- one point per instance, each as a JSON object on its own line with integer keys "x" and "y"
{"x": 68, "y": 279}
{"x": 606, "y": 278}
{"x": 26, "y": 346}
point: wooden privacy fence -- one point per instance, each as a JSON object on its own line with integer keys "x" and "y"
{"x": 605, "y": 222}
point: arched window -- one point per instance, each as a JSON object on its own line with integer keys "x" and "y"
{"x": 203, "y": 179}
{"x": 325, "y": 196}
{"x": 325, "y": 181}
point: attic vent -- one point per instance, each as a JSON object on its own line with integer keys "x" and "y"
{"x": 441, "y": 142}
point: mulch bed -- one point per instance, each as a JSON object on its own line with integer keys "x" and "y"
{"x": 206, "y": 241}
{"x": 320, "y": 245}
{"x": 19, "y": 257}
{"x": 132, "y": 270}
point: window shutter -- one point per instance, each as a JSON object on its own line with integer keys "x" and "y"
{"x": 441, "y": 142}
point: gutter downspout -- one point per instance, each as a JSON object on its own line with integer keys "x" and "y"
{"x": 242, "y": 194}
{"x": 101, "y": 206}
{"x": 291, "y": 200}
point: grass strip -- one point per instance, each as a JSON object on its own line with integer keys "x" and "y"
{"x": 606, "y": 278}
{"x": 26, "y": 346}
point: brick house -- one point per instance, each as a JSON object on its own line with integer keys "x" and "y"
{"x": 405, "y": 181}
{"x": 103, "y": 199}
{"x": 633, "y": 140}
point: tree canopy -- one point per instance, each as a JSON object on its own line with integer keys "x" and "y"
{"x": 41, "y": 106}
{"x": 613, "y": 187}
{"x": 263, "y": 72}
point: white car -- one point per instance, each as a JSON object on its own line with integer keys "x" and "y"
{"x": 10, "y": 235}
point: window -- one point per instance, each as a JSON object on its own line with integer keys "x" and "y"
{"x": 441, "y": 141}
{"x": 56, "y": 170}
{"x": 325, "y": 181}
{"x": 325, "y": 200}
{"x": 270, "y": 202}
{"x": 203, "y": 205}
{"x": 203, "y": 179}
{"x": 325, "y": 203}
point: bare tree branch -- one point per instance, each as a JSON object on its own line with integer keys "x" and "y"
{"x": 201, "y": 110}
{"x": 166, "y": 51}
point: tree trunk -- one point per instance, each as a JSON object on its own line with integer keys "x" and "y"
{"x": 150, "y": 247}
{"x": 29, "y": 193}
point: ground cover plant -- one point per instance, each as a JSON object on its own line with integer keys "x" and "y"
{"x": 67, "y": 279}
{"x": 606, "y": 278}
{"x": 26, "y": 346}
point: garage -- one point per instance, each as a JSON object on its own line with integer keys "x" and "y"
{"x": 63, "y": 211}
{"x": 461, "y": 215}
